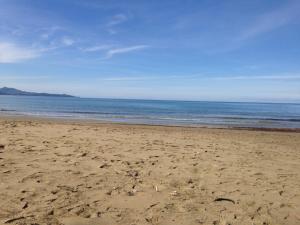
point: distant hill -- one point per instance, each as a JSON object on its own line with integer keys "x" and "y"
{"x": 13, "y": 91}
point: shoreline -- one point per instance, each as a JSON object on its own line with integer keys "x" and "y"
{"x": 106, "y": 122}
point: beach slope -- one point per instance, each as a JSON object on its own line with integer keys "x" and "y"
{"x": 75, "y": 173}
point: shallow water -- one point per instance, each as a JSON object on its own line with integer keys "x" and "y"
{"x": 238, "y": 114}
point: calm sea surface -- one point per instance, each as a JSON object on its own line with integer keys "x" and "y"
{"x": 269, "y": 115}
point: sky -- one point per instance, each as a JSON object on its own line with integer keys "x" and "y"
{"x": 172, "y": 49}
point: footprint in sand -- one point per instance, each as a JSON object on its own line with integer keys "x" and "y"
{"x": 85, "y": 221}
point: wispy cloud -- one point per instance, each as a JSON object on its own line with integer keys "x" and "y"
{"x": 272, "y": 20}
{"x": 117, "y": 19}
{"x": 110, "y": 53}
{"x": 202, "y": 77}
{"x": 263, "y": 77}
{"x": 22, "y": 77}
{"x": 129, "y": 78}
{"x": 96, "y": 48}
{"x": 11, "y": 53}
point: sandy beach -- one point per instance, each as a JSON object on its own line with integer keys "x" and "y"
{"x": 76, "y": 173}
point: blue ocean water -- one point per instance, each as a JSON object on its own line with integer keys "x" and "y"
{"x": 194, "y": 113}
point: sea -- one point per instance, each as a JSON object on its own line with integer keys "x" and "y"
{"x": 156, "y": 112}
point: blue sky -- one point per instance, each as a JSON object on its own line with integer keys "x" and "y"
{"x": 193, "y": 50}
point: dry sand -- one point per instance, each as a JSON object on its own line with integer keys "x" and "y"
{"x": 54, "y": 172}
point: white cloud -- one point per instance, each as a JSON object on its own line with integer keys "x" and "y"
{"x": 11, "y": 53}
{"x": 67, "y": 41}
{"x": 110, "y": 53}
{"x": 50, "y": 31}
{"x": 112, "y": 31}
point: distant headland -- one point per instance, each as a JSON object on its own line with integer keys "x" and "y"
{"x": 13, "y": 91}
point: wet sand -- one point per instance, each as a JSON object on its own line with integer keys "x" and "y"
{"x": 76, "y": 173}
